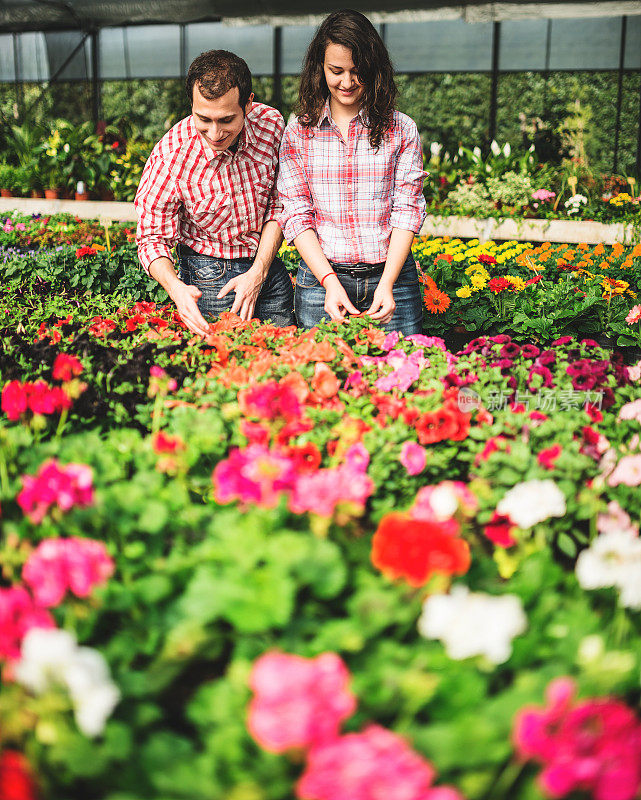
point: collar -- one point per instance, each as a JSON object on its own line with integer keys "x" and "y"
{"x": 326, "y": 114}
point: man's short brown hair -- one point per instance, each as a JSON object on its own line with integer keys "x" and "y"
{"x": 215, "y": 73}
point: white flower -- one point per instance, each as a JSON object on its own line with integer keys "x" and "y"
{"x": 477, "y": 153}
{"x": 531, "y": 502}
{"x": 507, "y": 149}
{"x": 65, "y": 147}
{"x": 444, "y": 501}
{"x": 472, "y": 623}
{"x": 52, "y": 658}
{"x": 613, "y": 559}
{"x": 495, "y": 148}
{"x": 435, "y": 149}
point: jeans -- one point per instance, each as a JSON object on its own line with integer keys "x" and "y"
{"x": 275, "y": 301}
{"x": 309, "y": 297}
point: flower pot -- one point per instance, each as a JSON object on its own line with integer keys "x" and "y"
{"x": 6, "y": 193}
{"x": 52, "y": 194}
{"x": 82, "y": 195}
{"x": 36, "y": 194}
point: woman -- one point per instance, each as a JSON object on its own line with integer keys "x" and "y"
{"x": 351, "y": 179}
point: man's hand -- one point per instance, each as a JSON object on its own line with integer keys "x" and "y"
{"x": 383, "y": 303}
{"x": 185, "y": 296}
{"x": 247, "y": 288}
{"x": 337, "y": 303}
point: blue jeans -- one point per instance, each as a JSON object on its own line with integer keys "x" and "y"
{"x": 275, "y": 301}
{"x": 309, "y": 297}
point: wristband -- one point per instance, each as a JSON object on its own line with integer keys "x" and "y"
{"x": 324, "y": 278}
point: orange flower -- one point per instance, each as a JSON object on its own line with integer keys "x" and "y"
{"x": 617, "y": 250}
{"x": 436, "y": 302}
{"x": 324, "y": 382}
{"x": 599, "y": 250}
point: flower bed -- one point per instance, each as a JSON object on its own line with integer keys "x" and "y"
{"x": 323, "y": 565}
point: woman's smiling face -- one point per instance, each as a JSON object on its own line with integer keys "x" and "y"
{"x": 342, "y": 79}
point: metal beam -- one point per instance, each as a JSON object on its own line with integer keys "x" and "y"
{"x": 277, "y": 71}
{"x": 617, "y": 127}
{"x": 494, "y": 88}
{"x": 95, "y": 78}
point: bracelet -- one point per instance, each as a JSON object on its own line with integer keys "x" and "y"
{"x": 326, "y": 276}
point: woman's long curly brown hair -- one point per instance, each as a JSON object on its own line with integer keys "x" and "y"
{"x": 374, "y": 69}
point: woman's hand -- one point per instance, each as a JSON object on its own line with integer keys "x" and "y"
{"x": 337, "y": 303}
{"x": 383, "y": 303}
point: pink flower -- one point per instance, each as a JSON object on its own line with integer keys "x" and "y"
{"x": 427, "y": 341}
{"x": 634, "y": 315}
{"x": 543, "y": 195}
{"x": 298, "y": 702}
{"x": 547, "y": 458}
{"x": 631, "y": 410}
{"x": 390, "y": 341}
{"x": 60, "y": 565}
{"x": 270, "y": 400}
{"x": 441, "y": 502}
{"x": 589, "y": 745}
{"x": 55, "y": 485}
{"x": 66, "y": 367}
{"x": 615, "y": 519}
{"x": 18, "y": 614}
{"x": 499, "y": 530}
{"x": 357, "y": 457}
{"x": 413, "y": 458}
{"x": 627, "y": 471}
{"x": 370, "y": 765}
{"x": 322, "y": 491}
{"x": 254, "y": 474}
{"x": 14, "y": 399}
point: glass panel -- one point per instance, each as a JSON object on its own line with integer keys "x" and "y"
{"x": 523, "y": 44}
{"x": 153, "y": 51}
{"x": 443, "y": 46}
{"x": 254, "y": 43}
{"x": 32, "y": 52}
{"x": 585, "y": 43}
{"x": 633, "y": 43}
{"x": 111, "y": 47}
{"x": 296, "y": 39}
{"x": 59, "y": 46}
{"x": 7, "y": 64}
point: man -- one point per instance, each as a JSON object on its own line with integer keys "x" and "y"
{"x": 208, "y": 186}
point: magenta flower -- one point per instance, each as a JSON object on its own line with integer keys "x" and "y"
{"x": 254, "y": 474}
{"x": 373, "y": 764}
{"x": 322, "y": 491}
{"x": 298, "y": 702}
{"x": 413, "y": 458}
{"x": 60, "y": 565}
{"x": 18, "y": 614}
{"x": 57, "y": 486}
{"x": 588, "y": 745}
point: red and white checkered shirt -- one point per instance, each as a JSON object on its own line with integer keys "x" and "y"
{"x": 349, "y": 193}
{"x": 216, "y": 203}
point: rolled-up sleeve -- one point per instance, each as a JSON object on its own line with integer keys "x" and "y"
{"x": 292, "y": 187}
{"x": 157, "y": 206}
{"x": 408, "y": 203}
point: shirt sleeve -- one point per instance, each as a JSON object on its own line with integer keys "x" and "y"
{"x": 408, "y": 203}
{"x": 157, "y": 206}
{"x": 275, "y": 205}
{"x": 293, "y": 189}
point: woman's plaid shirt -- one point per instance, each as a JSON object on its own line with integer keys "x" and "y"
{"x": 216, "y": 203}
{"x": 349, "y": 193}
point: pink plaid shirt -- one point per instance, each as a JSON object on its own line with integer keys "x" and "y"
{"x": 216, "y": 203}
{"x": 350, "y": 194}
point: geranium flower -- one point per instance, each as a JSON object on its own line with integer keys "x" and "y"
{"x": 627, "y": 471}
{"x": 298, "y": 702}
{"x": 473, "y": 623}
{"x": 16, "y": 777}
{"x": 547, "y": 457}
{"x": 66, "y": 367}
{"x": 55, "y": 485}
{"x": 531, "y": 502}
{"x": 413, "y": 457}
{"x": 415, "y": 550}
{"x": 499, "y": 530}
{"x": 19, "y": 613}
{"x": 589, "y": 745}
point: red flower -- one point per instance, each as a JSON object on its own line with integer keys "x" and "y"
{"x": 435, "y": 426}
{"x": 546, "y": 458}
{"x": 535, "y": 279}
{"x": 415, "y": 550}
{"x": 66, "y": 367}
{"x": 81, "y": 252}
{"x": 445, "y": 256}
{"x": 166, "y": 443}
{"x": 499, "y": 530}
{"x": 484, "y": 258}
{"x": 593, "y": 412}
{"x": 16, "y": 781}
{"x": 498, "y": 285}
{"x": 14, "y": 399}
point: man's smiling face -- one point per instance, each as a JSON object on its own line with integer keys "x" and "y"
{"x": 219, "y": 121}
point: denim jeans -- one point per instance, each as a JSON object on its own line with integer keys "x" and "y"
{"x": 275, "y": 301}
{"x": 309, "y": 297}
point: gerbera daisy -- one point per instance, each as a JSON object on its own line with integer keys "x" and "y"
{"x": 436, "y": 302}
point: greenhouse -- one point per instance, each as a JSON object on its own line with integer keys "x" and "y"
{"x": 320, "y": 400}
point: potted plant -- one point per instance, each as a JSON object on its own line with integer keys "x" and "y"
{"x": 7, "y": 180}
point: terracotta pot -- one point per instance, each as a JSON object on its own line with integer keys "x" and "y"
{"x": 52, "y": 194}
{"x": 82, "y": 195}
{"x": 36, "y": 194}
{"x": 5, "y": 193}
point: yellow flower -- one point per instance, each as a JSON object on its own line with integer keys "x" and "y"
{"x": 464, "y": 291}
{"x": 518, "y": 283}
{"x": 458, "y": 257}
{"x": 478, "y": 282}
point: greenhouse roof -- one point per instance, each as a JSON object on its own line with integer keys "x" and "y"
{"x": 39, "y": 15}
